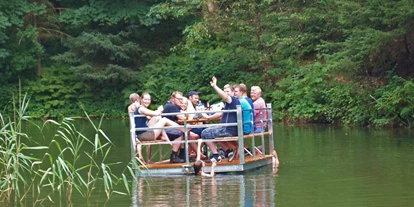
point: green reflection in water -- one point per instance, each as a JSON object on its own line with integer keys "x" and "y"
{"x": 337, "y": 166}
{"x": 320, "y": 166}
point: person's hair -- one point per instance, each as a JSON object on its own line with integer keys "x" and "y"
{"x": 228, "y": 86}
{"x": 175, "y": 93}
{"x": 144, "y": 94}
{"x": 133, "y": 97}
{"x": 236, "y": 86}
{"x": 243, "y": 87}
{"x": 197, "y": 166}
{"x": 185, "y": 100}
{"x": 257, "y": 88}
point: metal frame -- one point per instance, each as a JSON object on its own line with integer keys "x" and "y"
{"x": 242, "y": 166}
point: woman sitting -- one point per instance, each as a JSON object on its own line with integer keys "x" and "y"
{"x": 156, "y": 122}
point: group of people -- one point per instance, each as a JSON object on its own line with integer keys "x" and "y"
{"x": 253, "y": 108}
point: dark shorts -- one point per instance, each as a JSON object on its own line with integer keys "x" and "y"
{"x": 173, "y": 133}
{"x": 216, "y": 131}
{"x": 197, "y": 131}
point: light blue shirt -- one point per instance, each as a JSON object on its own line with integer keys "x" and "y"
{"x": 247, "y": 111}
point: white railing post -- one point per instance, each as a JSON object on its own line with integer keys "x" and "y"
{"x": 240, "y": 133}
{"x": 270, "y": 126}
{"x": 132, "y": 133}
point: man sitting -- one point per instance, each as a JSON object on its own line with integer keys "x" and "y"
{"x": 259, "y": 105}
{"x": 227, "y": 117}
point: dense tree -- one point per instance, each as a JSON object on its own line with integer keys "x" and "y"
{"x": 336, "y": 61}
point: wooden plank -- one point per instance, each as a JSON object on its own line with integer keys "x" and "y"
{"x": 167, "y": 164}
{"x": 192, "y": 121}
{"x": 217, "y": 138}
{"x": 244, "y": 136}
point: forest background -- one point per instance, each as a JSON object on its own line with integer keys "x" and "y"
{"x": 323, "y": 61}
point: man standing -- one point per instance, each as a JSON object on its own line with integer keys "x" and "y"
{"x": 259, "y": 108}
{"x": 227, "y": 117}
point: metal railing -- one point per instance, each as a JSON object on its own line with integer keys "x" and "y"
{"x": 185, "y": 126}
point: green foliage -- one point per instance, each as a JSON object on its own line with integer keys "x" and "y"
{"x": 63, "y": 167}
{"x": 301, "y": 94}
{"x": 106, "y": 12}
{"x": 395, "y": 103}
{"x": 58, "y": 88}
{"x": 17, "y": 167}
{"x": 316, "y": 60}
{"x": 347, "y": 104}
{"x": 18, "y": 43}
{"x": 99, "y": 57}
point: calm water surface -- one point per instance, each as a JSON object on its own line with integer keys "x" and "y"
{"x": 320, "y": 166}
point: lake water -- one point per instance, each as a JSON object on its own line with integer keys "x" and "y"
{"x": 320, "y": 166}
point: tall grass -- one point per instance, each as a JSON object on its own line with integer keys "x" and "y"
{"x": 71, "y": 163}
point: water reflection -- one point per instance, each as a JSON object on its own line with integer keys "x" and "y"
{"x": 319, "y": 166}
{"x": 256, "y": 188}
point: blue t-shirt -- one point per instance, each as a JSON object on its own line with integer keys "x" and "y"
{"x": 252, "y": 105}
{"x": 230, "y": 117}
{"x": 247, "y": 115}
{"x": 140, "y": 122}
{"x": 171, "y": 108}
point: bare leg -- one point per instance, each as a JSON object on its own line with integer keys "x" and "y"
{"x": 212, "y": 147}
{"x": 153, "y": 120}
{"x": 275, "y": 158}
{"x": 149, "y": 149}
{"x": 199, "y": 148}
{"x": 193, "y": 146}
{"x": 223, "y": 146}
{"x": 176, "y": 146}
{"x": 139, "y": 150}
{"x": 164, "y": 136}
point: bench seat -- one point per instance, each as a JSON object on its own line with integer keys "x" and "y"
{"x": 233, "y": 138}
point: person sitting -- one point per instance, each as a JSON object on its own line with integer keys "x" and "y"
{"x": 247, "y": 118}
{"x": 134, "y": 99}
{"x": 259, "y": 105}
{"x": 246, "y": 109}
{"x": 243, "y": 89}
{"x": 227, "y": 117}
{"x": 193, "y": 97}
{"x": 192, "y": 134}
{"x": 155, "y": 122}
{"x": 174, "y": 106}
{"x": 135, "y": 103}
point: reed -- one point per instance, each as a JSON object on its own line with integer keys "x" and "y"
{"x": 62, "y": 168}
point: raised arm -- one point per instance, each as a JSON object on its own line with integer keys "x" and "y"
{"x": 218, "y": 90}
{"x": 212, "y": 173}
{"x": 148, "y": 112}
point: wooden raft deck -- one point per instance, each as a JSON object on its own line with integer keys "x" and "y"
{"x": 239, "y": 165}
{"x": 163, "y": 167}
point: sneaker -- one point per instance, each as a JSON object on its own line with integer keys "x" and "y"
{"x": 232, "y": 155}
{"x": 176, "y": 159}
{"x": 222, "y": 153}
{"x": 227, "y": 152}
{"x": 214, "y": 159}
{"x": 247, "y": 152}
